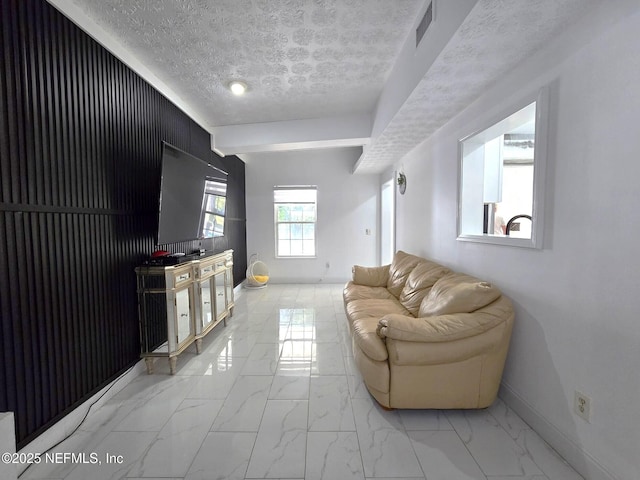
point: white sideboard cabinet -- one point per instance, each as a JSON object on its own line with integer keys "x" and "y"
{"x": 179, "y": 304}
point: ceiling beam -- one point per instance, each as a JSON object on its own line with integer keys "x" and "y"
{"x": 341, "y": 131}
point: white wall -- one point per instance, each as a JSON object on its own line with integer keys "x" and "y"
{"x": 347, "y": 207}
{"x": 7, "y": 445}
{"x": 578, "y": 299}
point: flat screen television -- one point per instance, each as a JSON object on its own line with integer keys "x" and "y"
{"x": 193, "y": 197}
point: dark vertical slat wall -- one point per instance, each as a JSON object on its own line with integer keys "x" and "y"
{"x": 80, "y": 164}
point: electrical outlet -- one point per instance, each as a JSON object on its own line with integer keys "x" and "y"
{"x": 582, "y": 406}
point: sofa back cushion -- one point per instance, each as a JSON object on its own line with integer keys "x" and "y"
{"x": 457, "y": 293}
{"x": 402, "y": 265}
{"x": 419, "y": 283}
{"x": 370, "y": 276}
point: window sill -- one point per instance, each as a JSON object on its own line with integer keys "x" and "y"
{"x": 500, "y": 240}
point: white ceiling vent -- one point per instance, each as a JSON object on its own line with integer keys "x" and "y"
{"x": 424, "y": 24}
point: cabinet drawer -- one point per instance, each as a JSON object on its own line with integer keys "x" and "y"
{"x": 206, "y": 270}
{"x": 182, "y": 277}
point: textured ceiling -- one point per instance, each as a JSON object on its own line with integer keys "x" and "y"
{"x": 323, "y": 59}
{"x": 301, "y": 58}
{"x": 496, "y": 36}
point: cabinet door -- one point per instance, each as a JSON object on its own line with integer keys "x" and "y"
{"x": 183, "y": 315}
{"x": 208, "y": 314}
{"x": 229, "y": 285}
{"x": 220, "y": 294}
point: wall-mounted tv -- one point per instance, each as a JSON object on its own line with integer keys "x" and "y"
{"x": 192, "y": 198}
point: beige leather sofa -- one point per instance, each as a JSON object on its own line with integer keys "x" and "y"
{"x": 426, "y": 337}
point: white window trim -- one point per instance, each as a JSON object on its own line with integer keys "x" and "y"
{"x": 541, "y": 97}
{"x": 276, "y": 223}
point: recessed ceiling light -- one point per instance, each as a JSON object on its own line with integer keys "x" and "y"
{"x": 237, "y": 87}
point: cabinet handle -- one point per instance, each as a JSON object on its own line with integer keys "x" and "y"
{"x": 184, "y": 314}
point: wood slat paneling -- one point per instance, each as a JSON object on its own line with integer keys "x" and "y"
{"x": 80, "y": 161}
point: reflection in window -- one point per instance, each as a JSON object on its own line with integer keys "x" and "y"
{"x": 298, "y": 334}
{"x": 223, "y": 362}
{"x": 214, "y": 208}
{"x": 225, "y": 357}
{"x": 498, "y": 187}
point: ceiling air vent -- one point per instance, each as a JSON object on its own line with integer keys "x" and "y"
{"x": 424, "y": 24}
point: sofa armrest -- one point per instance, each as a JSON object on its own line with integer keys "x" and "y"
{"x": 371, "y": 276}
{"x": 445, "y": 328}
{"x": 446, "y": 338}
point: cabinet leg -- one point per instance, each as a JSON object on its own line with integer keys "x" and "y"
{"x": 173, "y": 361}
{"x": 198, "y": 346}
{"x": 149, "y": 363}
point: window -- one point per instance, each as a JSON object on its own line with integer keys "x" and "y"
{"x": 295, "y": 221}
{"x": 502, "y": 178}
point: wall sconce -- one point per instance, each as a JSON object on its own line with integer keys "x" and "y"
{"x": 402, "y": 183}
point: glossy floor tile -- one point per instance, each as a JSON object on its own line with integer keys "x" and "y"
{"x": 275, "y": 394}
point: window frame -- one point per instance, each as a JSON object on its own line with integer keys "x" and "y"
{"x": 541, "y": 99}
{"x": 276, "y": 222}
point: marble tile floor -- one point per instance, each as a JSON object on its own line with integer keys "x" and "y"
{"x": 275, "y": 394}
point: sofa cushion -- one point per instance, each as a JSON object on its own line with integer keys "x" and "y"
{"x": 353, "y": 291}
{"x": 370, "y": 276}
{"x": 457, "y": 293}
{"x": 419, "y": 283}
{"x": 375, "y": 307}
{"x": 402, "y": 265}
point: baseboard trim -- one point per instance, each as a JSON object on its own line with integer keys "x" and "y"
{"x": 70, "y": 422}
{"x": 582, "y": 461}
